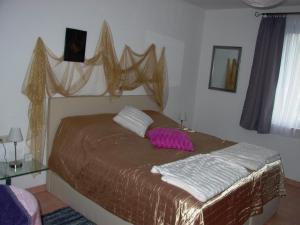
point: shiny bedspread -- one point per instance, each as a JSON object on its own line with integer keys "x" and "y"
{"x": 111, "y": 166}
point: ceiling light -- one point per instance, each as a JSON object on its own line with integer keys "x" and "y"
{"x": 263, "y": 3}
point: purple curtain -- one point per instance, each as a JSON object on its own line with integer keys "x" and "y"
{"x": 258, "y": 106}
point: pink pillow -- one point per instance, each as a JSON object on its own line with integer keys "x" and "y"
{"x": 170, "y": 138}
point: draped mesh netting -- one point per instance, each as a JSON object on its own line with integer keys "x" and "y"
{"x": 48, "y": 75}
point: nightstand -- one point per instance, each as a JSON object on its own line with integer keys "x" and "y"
{"x": 29, "y": 167}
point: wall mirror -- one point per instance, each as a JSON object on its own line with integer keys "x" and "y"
{"x": 224, "y": 68}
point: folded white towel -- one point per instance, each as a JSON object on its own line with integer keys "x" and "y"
{"x": 251, "y": 156}
{"x": 203, "y": 176}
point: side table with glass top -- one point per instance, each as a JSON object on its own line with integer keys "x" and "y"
{"x": 28, "y": 167}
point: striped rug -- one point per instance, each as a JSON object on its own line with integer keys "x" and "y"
{"x": 65, "y": 216}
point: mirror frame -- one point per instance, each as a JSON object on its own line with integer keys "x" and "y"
{"x": 216, "y": 47}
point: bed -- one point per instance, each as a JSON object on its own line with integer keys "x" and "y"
{"x": 185, "y": 210}
{"x": 16, "y": 201}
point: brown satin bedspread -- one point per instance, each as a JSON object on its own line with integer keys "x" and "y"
{"x": 111, "y": 166}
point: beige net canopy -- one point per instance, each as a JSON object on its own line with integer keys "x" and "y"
{"x": 48, "y": 75}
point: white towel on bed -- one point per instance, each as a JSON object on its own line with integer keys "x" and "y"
{"x": 203, "y": 175}
{"x": 250, "y": 156}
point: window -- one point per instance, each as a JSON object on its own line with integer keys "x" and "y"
{"x": 286, "y": 111}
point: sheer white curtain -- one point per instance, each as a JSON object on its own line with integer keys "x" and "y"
{"x": 286, "y": 112}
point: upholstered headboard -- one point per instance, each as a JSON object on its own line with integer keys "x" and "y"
{"x": 61, "y": 107}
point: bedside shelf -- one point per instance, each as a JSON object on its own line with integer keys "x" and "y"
{"x": 29, "y": 167}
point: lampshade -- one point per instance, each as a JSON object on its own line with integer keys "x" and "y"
{"x": 263, "y": 3}
{"x": 15, "y": 135}
{"x": 183, "y": 116}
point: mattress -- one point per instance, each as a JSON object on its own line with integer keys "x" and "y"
{"x": 111, "y": 166}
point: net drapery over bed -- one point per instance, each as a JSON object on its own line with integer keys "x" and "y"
{"x": 48, "y": 75}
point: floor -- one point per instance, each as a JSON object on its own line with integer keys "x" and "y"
{"x": 289, "y": 208}
{"x": 48, "y": 202}
{"x": 288, "y": 213}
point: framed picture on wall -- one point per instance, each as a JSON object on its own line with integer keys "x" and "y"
{"x": 75, "y": 41}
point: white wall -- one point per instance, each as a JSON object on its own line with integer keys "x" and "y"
{"x": 131, "y": 22}
{"x": 218, "y": 112}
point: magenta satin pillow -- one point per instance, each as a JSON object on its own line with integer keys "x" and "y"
{"x": 170, "y": 138}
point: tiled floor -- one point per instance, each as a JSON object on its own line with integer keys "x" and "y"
{"x": 287, "y": 214}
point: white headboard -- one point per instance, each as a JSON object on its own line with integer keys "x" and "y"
{"x": 61, "y": 107}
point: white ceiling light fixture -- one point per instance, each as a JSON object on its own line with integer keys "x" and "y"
{"x": 263, "y": 3}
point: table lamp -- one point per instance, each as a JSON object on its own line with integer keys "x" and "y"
{"x": 15, "y": 135}
{"x": 182, "y": 117}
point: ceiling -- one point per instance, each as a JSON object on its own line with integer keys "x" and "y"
{"x": 230, "y": 4}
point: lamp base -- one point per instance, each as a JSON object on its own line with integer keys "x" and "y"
{"x": 15, "y": 164}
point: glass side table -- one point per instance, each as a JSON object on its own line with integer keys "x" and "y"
{"x": 29, "y": 167}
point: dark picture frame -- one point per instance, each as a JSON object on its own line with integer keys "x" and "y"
{"x": 75, "y": 42}
{"x": 224, "y": 68}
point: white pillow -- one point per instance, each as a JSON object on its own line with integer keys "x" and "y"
{"x": 134, "y": 120}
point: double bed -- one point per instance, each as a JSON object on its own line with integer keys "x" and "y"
{"x": 103, "y": 170}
